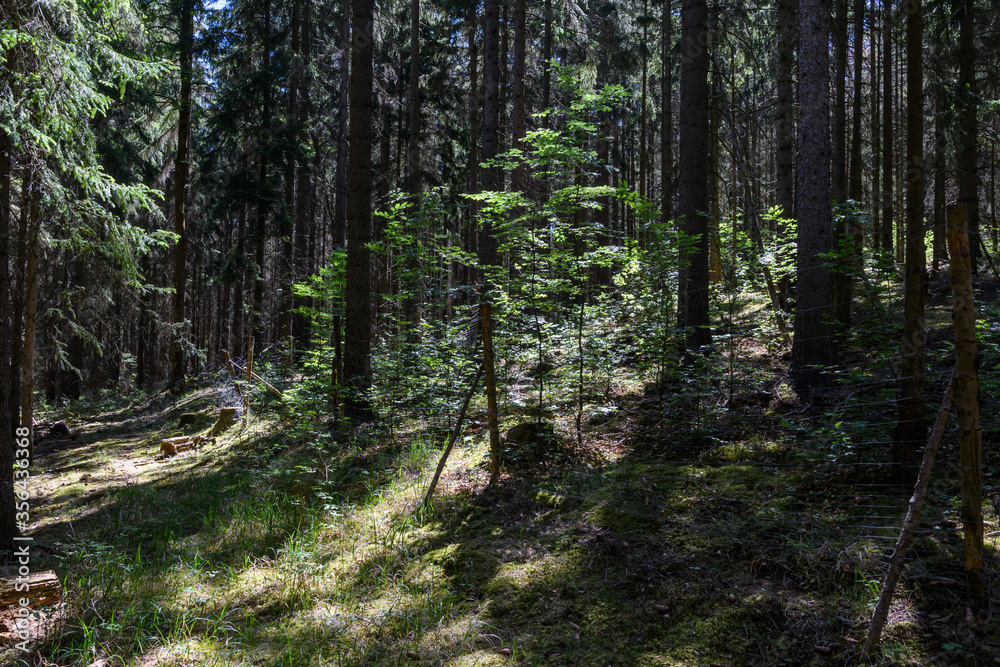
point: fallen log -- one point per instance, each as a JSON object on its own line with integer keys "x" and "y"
{"x": 43, "y": 588}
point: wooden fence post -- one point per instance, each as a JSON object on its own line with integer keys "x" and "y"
{"x": 967, "y": 398}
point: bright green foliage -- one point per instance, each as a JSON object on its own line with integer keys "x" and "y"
{"x": 66, "y": 66}
{"x": 555, "y": 245}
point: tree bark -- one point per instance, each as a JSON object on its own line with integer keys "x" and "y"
{"x": 18, "y": 300}
{"x": 263, "y": 203}
{"x": 411, "y": 302}
{"x": 939, "y": 250}
{"x": 547, "y": 61}
{"x": 968, "y": 131}
{"x": 304, "y": 193}
{"x": 358, "y": 330}
{"x": 876, "y": 130}
{"x": 841, "y": 233}
{"x": 30, "y": 309}
{"x": 471, "y": 231}
{"x": 519, "y": 110}
{"x": 643, "y": 144}
{"x": 181, "y": 170}
{"x": 854, "y": 190}
{"x": 912, "y": 427}
{"x": 840, "y": 104}
{"x": 885, "y": 243}
{"x": 285, "y": 264}
{"x": 812, "y": 345}
{"x": 970, "y": 433}
{"x": 666, "y": 127}
{"x": 785, "y": 113}
{"x": 413, "y": 108}
{"x": 491, "y": 124}
{"x": 340, "y": 184}
{"x": 8, "y": 528}
{"x": 693, "y": 193}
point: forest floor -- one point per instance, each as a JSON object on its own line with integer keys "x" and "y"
{"x": 751, "y": 533}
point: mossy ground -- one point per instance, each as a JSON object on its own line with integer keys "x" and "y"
{"x": 697, "y": 526}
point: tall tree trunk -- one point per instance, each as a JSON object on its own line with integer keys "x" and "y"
{"x": 411, "y": 303}
{"x": 841, "y": 233}
{"x": 876, "y": 132}
{"x": 644, "y": 54}
{"x": 143, "y": 354}
{"x": 30, "y": 307}
{"x": 854, "y": 190}
{"x": 358, "y": 331}
{"x": 812, "y": 344}
{"x": 17, "y": 299}
{"x": 8, "y": 528}
{"x": 840, "y": 104}
{"x": 181, "y": 170}
{"x": 413, "y": 98}
{"x": 340, "y": 184}
{"x": 693, "y": 193}
{"x": 504, "y": 71}
{"x": 602, "y": 216}
{"x": 235, "y": 343}
{"x": 472, "y": 237}
{"x": 900, "y": 159}
{"x": 519, "y": 110}
{"x": 968, "y": 131}
{"x": 286, "y": 228}
{"x": 666, "y": 126}
{"x": 785, "y": 130}
{"x": 911, "y": 429}
{"x": 263, "y": 205}
{"x": 547, "y": 61}
{"x": 885, "y": 243}
{"x": 940, "y": 175}
{"x": 72, "y": 380}
{"x": 304, "y": 194}
{"x": 491, "y": 122}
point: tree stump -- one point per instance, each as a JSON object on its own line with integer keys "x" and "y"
{"x": 43, "y": 588}
{"x": 227, "y": 417}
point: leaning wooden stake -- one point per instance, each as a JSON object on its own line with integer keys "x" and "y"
{"x": 246, "y": 397}
{"x": 906, "y": 535}
{"x": 259, "y": 379}
{"x": 454, "y": 437}
{"x": 970, "y": 435}
{"x": 491, "y": 392}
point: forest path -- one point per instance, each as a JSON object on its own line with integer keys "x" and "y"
{"x": 103, "y": 454}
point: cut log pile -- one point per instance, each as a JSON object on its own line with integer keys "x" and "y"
{"x": 175, "y": 446}
{"x": 43, "y": 588}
